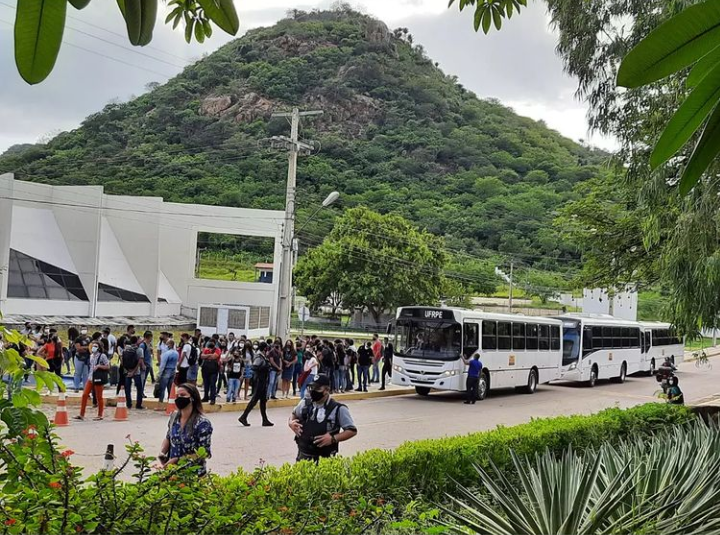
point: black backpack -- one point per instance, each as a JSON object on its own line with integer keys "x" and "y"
{"x": 193, "y": 356}
{"x": 129, "y": 358}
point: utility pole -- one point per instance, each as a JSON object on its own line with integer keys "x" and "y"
{"x": 284, "y": 304}
{"x": 511, "y": 284}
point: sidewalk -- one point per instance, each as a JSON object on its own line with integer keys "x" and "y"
{"x": 73, "y": 398}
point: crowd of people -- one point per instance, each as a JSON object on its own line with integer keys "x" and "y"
{"x": 255, "y": 370}
{"x": 311, "y": 368}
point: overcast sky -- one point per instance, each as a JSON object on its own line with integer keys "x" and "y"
{"x": 518, "y": 65}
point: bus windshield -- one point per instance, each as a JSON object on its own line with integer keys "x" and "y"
{"x": 438, "y": 340}
{"x": 571, "y": 344}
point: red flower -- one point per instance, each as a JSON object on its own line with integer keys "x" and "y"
{"x": 55, "y": 485}
{"x": 181, "y": 486}
{"x": 10, "y": 522}
{"x": 67, "y": 453}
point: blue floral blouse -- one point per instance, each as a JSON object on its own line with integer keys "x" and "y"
{"x": 187, "y": 441}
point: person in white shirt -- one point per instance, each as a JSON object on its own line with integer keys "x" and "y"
{"x": 184, "y": 362}
{"x": 311, "y": 368}
{"x": 112, "y": 342}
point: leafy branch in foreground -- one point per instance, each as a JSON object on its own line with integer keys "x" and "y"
{"x": 489, "y": 12}
{"x": 40, "y": 24}
{"x": 689, "y": 39}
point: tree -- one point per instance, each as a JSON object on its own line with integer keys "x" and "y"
{"x": 39, "y": 27}
{"x": 374, "y": 261}
{"x": 15, "y": 414}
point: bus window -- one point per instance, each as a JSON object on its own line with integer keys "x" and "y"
{"x": 470, "y": 338}
{"x": 544, "y": 337}
{"x": 587, "y": 341}
{"x": 571, "y": 344}
{"x": 531, "y": 337}
{"x": 626, "y": 339}
{"x": 504, "y": 338}
{"x": 597, "y": 338}
{"x": 607, "y": 337}
{"x": 647, "y": 341}
{"x": 555, "y": 337}
{"x": 617, "y": 337}
{"x": 636, "y": 336}
{"x": 518, "y": 336}
{"x": 428, "y": 339}
{"x": 489, "y": 335}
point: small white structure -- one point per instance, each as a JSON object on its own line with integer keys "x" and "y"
{"x": 623, "y": 304}
{"x": 75, "y": 251}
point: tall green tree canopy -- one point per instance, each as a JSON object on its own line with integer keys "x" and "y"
{"x": 374, "y": 261}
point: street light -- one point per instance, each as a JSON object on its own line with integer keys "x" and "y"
{"x": 285, "y": 304}
{"x": 330, "y": 199}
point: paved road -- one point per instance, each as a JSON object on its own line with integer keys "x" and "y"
{"x": 384, "y": 422}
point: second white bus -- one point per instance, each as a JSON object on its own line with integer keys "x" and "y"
{"x": 600, "y": 347}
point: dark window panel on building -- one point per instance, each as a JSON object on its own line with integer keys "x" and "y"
{"x": 31, "y": 278}
{"x": 107, "y": 293}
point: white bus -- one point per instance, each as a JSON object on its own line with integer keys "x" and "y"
{"x": 516, "y": 351}
{"x": 600, "y": 347}
{"x": 660, "y": 341}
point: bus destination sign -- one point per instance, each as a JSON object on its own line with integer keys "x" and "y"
{"x": 428, "y": 313}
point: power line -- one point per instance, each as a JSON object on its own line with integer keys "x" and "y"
{"x": 111, "y": 58}
{"x": 124, "y": 37}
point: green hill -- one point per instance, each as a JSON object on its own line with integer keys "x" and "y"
{"x": 397, "y": 135}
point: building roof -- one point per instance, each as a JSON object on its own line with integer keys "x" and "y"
{"x": 265, "y": 266}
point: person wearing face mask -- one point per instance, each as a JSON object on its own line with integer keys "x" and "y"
{"x": 320, "y": 423}
{"x": 82, "y": 359}
{"x": 97, "y": 379}
{"x": 248, "y": 353}
{"x": 261, "y": 377}
{"x": 188, "y": 430}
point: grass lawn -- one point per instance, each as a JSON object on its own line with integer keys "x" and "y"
{"x": 226, "y": 270}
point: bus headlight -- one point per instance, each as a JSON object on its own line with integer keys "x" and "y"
{"x": 573, "y": 366}
{"x": 449, "y": 373}
{"x": 397, "y": 368}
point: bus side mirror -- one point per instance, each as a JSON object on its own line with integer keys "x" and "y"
{"x": 388, "y": 330}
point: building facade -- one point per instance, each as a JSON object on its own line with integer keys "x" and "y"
{"x": 75, "y": 251}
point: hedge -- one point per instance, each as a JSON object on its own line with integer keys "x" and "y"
{"x": 374, "y": 491}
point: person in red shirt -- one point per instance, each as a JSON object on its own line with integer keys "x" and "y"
{"x": 377, "y": 349}
{"x": 210, "y": 362}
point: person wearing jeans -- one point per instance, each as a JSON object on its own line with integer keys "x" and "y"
{"x": 365, "y": 357}
{"x": 168, "y": 363}
{"x": 210, "y": 369}
{"x": 134, "y": 375}
{"x": 82, "y": 360}
{"x": 98, "y": 361}
{"x": 234, "y": 364}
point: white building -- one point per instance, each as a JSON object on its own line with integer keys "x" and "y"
{"x": 75, "y": 251}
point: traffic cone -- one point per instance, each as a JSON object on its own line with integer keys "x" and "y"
{"x": 170, "y": 408}
{"x": 61, "y": 415}
{"x": 121, "y": 412}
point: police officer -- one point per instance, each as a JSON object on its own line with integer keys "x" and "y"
{"x": 320, "y": 423}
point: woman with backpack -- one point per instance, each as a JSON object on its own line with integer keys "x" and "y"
{"x": 261, "y": 376}
{"x": 188, "y": 430}
{"x": 97, "y": 378}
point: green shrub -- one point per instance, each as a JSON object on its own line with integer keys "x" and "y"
{"x": 372, "y": 492}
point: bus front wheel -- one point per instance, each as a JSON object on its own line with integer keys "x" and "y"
{"x": 593, "y": 377}
{"x": 422, "y": 390}
{"x": 483, "y": 386}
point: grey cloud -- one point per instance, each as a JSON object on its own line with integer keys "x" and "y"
{"x": 517, "y": 63}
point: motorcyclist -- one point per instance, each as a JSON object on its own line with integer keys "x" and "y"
{"x": 665, "y": 372}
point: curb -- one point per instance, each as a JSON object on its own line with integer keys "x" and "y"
{"x": 153, "y": 404}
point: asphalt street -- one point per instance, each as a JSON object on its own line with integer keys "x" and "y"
{"x": 381, "y": 422}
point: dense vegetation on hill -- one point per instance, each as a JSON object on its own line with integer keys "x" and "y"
{"x": 398, "y": 135}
